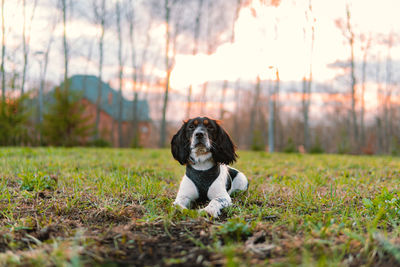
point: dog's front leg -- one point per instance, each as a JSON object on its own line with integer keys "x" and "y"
{"x": 186, "y": 194}
{"x": 217, "y": 204}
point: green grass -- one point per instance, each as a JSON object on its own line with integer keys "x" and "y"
{"x": 114, "y": 206}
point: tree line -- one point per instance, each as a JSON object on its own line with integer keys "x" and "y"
{"x": 144, "y": 49}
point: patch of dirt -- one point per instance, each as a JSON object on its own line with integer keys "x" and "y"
{"x": 107, "y": 235}
{"x": 140, "y": 244}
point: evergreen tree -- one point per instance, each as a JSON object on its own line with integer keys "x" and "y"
{"x": 14, "y": 118}
{"x": 65, "y": 123}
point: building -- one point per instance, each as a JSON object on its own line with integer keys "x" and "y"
{"x": 87, "y": 87}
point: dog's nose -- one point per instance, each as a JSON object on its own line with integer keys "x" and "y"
{"x": 199, "y": 135}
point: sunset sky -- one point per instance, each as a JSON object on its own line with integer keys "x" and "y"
{"x": 264, "y": 36}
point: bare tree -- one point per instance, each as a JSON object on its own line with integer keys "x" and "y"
{"x": 64, "y": 10}
{"x": 194, "y": 52}
{"x": 348, "y": 33}
{"x": 225, "y": 83}
{"x": 273, "y": 99}
{"x": 210, "y": 48}
{"x": 350, "y": 37}
{"x": 3, "y": 53}
{"x": 120, "y": 73}
{"x": 43, "y": 72}
{"x": 379, "y": 111}
{"x": 307, "y": 81}
{"x": 236, "y": 123}
{"x": 365, "y": 49}
{"x": 387, "y": 98}
{"x": 131, "y": 20}
{"x": 100, "y": 17}
{"x": 254, "y": 110}
{"x": 163, "y": 132}
{"x": 26, "y": 40}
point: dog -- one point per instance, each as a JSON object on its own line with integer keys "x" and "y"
{"x": 206, "y": 149}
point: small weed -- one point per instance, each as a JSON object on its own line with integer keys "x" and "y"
{"x": 37, "y": 182}
{"x": 386, "y": 204}
{"x": 234, "y": 230}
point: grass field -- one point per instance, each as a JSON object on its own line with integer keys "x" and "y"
{"x": 108, "y": 206}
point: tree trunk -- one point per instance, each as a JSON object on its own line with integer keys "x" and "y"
{"x": 24, "y": 47}
{"x": 277, "y": 126}
{"x": 353, "y": 79}
{"x": 225, "y": 84}
{"x": 163, "y": 130}
{"x": 305, "y": 103}
{"x": 236, "y": 129}
{"x": 101, "y": 58}
{"x": 271, "y": 123}
{"x": 363, "y": 78}
{"x": 194, "y": 52}
{"x": 379, "y": 107}
{"x": 26, "y": 41}
{"x": 223, "y": 95}
{"x": 3, "y": 54}
{"x": 65, "y": 43}
{"x": 273, "y": 98}
{"x": 203, "y": 100}
{"x": 120, "y": 76}
{"x": 254, "y": 111}
{"x": 135, "y": 121}
{"x": 387, "y": 115}
{"x": 307, "y": 84}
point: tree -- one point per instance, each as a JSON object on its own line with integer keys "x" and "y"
{"x": 225, "y": 83}
{"x": 307, "y": 81}
{"x": 194, "y": 52}
{"x": 365, "y": 49}
{"x": 26, "y": 41}
{"x": 131, "y": 19}
{"x": 236, "y": 122}
{"x": 210, "y": 48}
{"x": 64, "y": 10}
{"x": 3, "y": 54}
{"x": 14, "y": 117}
{"x": 350, "y": 38}
{"x": 65, "y": 123}
{"x": 120, "y": 73}
{"x": 349, "y": 34}
{"x": 100, "y": 18}
{"x": 43, "y": 72}
{"x": 387, "y": 97}
{"x": 273, "y": 99}
{"x": 163, "y": 132}
{"x": 254, "y": 111}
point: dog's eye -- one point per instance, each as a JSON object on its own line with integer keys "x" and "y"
{"x": 209, "y": 127}
{"x": 191, "y": 126}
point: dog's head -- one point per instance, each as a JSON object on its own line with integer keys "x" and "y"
{"x": 203, "y": 136}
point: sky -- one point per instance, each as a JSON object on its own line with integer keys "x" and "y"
{"x": 259, "y": 45}
{"x": 266, "y": 38}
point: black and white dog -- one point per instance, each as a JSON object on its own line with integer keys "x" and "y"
{"x": 206, "y": 149}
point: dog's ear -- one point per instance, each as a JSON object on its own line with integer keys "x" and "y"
{"x": 223, "y": 150}
{"x": 180, "y": 145}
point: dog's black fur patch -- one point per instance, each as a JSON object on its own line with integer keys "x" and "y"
{"x": 202, "y": 179}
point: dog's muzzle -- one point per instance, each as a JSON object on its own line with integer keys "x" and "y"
{"x": 200, "y": 139}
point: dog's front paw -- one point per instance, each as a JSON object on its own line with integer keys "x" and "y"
{"x": 211, "y": 211}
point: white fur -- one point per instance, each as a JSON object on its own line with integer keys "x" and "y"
{"x": 202, "y": 162}
{"x": 240, "y": 183}
{"x": 186, "y": 194}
